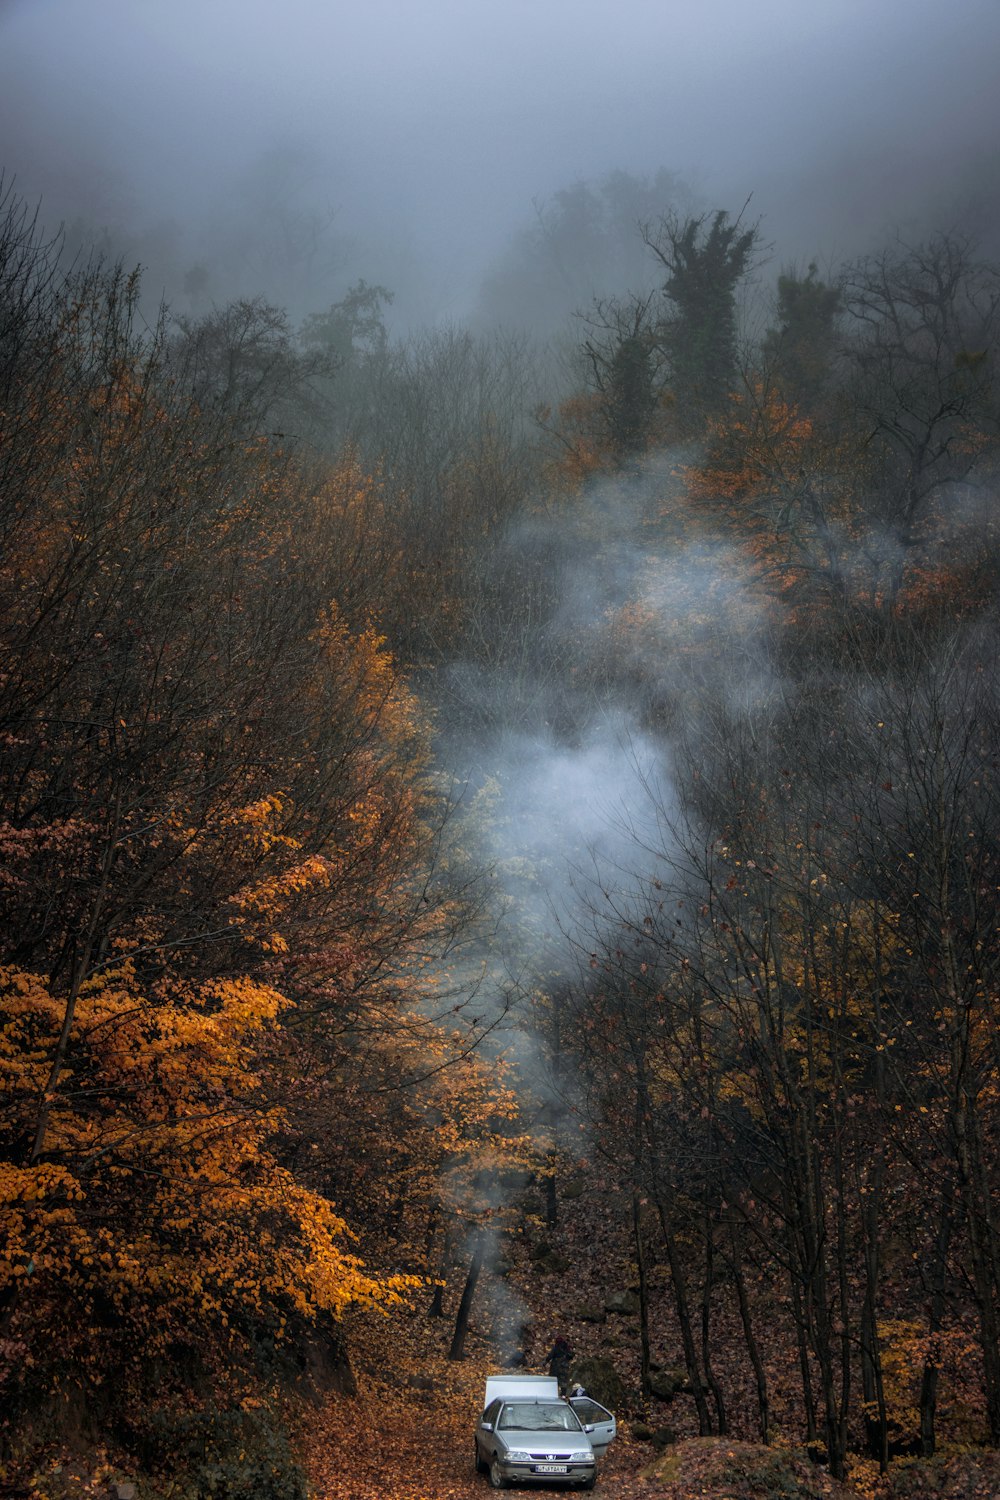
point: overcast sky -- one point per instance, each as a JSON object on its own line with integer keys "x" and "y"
{"x": 424, "y": 129}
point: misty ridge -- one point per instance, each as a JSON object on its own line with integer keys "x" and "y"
{"x": 572, "y": 620}
{"x": 499, "y": 721}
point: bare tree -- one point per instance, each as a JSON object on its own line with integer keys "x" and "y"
{"x": 926, "y": 326}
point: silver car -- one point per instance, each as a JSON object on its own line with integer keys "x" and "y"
{"x": 537, "y": 1441}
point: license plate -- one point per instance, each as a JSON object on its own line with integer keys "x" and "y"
{"x": 552, "y": 1468}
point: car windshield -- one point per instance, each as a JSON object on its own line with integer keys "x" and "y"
{"x": 534, "y": 1416}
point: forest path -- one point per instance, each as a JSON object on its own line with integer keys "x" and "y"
{"x": 395, "y": 1441}
{"x": 392, "y": 1443}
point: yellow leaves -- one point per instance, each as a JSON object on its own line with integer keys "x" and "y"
{"x": 865, "y": 1477}
{"x": 249, "y": 778}
{"x": 360, "y": 668}
{"x": 580, "y": 454}
{"x": 255, "y": 823}
{"x": 245, "y": 1006}
{"x": 194, "y": 1215}
{"x": 268, "y": 895}
{"x": 31, "y": 1185}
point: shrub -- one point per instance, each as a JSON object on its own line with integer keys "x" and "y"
{"x": 223, "y": 1454}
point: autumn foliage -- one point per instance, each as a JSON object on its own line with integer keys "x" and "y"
{"x": 254, "y": 1090}
{"x": 218, "y": 834}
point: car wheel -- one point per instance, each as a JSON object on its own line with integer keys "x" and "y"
{"x": 588, "y": 1484}
{"x": 497, "y": 1479}
{"x": 480, "y": 1466}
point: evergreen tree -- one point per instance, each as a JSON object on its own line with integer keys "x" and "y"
{"x": 621, "y": 350}
{"x": 705, "y": 258}
{"x": 800, "y": 348}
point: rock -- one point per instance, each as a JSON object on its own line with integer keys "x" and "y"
{"x": 727, "y": 1466}
{"x": 123, "y": 1490}
{"x": 552, "y": 1264}
{"x": 974, "y": 1471}
{"x": 322, "y": 1357}
{"x": 591, "y": 1314}
{"x": 663, "y": 1437}
{"x": 539, "y": 1250}
{"x": 600, "y": 1379}
{"x": 641, "y": 1431}
{"x": 665, "y": 1384}
{"x": 420, "y": 1382}
{"x": 625, "y": 1302}
{"x": 575, "y": 1187}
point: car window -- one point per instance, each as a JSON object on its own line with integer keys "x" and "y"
{"x": 490, "y": 1414}
{"x": 535, "y": 1416}
{"x": 589, "y": 1411}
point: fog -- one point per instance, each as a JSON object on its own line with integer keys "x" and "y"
{"x": 471, "y": 601}
{"x": 232, "y": 147}
{"x": 440, "y": 151}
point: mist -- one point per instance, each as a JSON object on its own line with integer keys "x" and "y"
{"x": 233, "y": 152}
{"x": 491, "y": 166}
{"x": 498, "y": 666}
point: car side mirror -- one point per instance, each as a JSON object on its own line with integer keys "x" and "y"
{"x": 588, "y": 1427}
{"x": 487, "y": 1426}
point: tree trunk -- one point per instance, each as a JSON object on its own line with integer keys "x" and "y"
{"x": 929, "y": 1380}
{"x": 551, "y": 1197}
{"x": 872, "y": 1385}
{"x": 457, "y": 1350}
{"x": 684, "y": 1321}
{"x": 983, "y": 1281}
{"x": 805, "y": 1371}
{"x": 640, "y": 1260}
{"x": 436, "y": 1309}
{"x": 760, "y": 1375}
{"x": 706, "y": 1328}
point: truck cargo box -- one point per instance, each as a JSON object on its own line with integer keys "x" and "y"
{"x": 521, "y": 1388}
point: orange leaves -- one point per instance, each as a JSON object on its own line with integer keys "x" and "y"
{"x": 361, "y": 668}
{"x": 579, "y": 454}
{"x": 268, "y": 895}
{"x": 187, "y": 1213}
{"x": 212, "y": 795}
{"x": 223, "y": 891}
{"x": 759, "y": 445}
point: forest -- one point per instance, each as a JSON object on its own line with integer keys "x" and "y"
{"x": 501, "y": 838}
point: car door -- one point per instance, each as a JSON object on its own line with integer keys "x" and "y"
{"x": 484, "y": 1433}
{"x": 599, "y": 1422}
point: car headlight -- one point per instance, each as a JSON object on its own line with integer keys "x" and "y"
{"x": 518, "y": 1456}
{"x": 582, "y": 1455}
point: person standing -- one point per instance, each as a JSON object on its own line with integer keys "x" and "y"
{"x": 559, "y": 1357}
